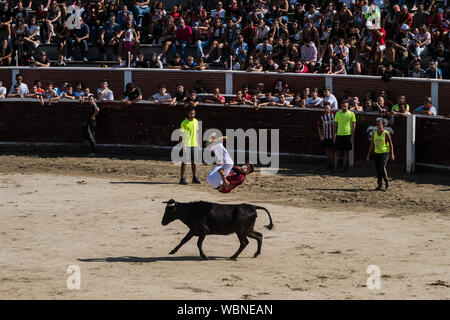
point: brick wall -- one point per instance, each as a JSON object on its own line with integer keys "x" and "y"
{"x": 146, "y": 123}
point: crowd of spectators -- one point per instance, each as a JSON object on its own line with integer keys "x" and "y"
{"x": 258, "y": 97}
{"x": 376, "y": 37}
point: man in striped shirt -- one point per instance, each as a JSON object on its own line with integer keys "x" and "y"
{"x": 325, "y": 128}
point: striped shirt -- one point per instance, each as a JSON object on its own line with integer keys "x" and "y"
{"x": 326, "y": 123}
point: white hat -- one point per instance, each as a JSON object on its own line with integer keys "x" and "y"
{"x": 368, "y": 24}
{"x": 404, "y": 27}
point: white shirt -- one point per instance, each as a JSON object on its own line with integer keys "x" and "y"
{"x": 3, "y": 91}
{"x": 159, "y": 97}
{"x": 260, "y": 48}
{"x": 310, "y": 102}
{"x": 108, "y": 95}
{"x": 220, "y": 14}
{"x": 23, "y": 88}
{"x": 332, "y": 100}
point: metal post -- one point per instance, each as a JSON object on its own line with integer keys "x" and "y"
{"x": 411, "y": 144}
{"x": 17, "y": 58}
{"x": 231, "y": 62}
{"x": 129, "y": 62}
{"x": 331, "y": 65}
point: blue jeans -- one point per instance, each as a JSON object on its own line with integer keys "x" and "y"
{"x": 83, "y": 46}
{"x": 182, "y": 44}
{"x": 200, "y": 46}
{"x": 140, "y": 13}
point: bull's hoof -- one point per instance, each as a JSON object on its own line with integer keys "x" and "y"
{"x": 172, "y": 252}
{"x": 233, "y": 258}
{"x": 256, "y": 254}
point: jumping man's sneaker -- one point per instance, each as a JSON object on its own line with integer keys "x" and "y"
{"x": 183, "y": 181}
{"x": 195, "y": 180}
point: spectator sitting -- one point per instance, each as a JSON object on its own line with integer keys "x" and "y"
{"x": 110, "y": 37}
{"x": 315, "y": 101}
{"x": 5, "y": 53}
{"x": 183, "y": 36}
{"x": 60, "y": 62}
{"x": 68, "y": 93}
{"x": 120, "y": 63}
{"x": 309, "y": 53}
{"x": 300, "y": 67}
{"x": 191, "y": 101}
{"x": 51, "y": 94}
{"x": 427, "y": 108}
{"x": 3, "y": 90}
{"x": 298, "y": 102}
{"x": 218, "y": 40}
{"x": 190, "y": 64}
{"x": 43, "y": 61}
{"x": 216, "y": 97}
{"x": 180, "y": 95}
{"x": 132, "y": 94}
{"x": 141, "y": 63}
{"x": 79, "y": 38}
{"x": 104, "y": 93}
{"x": 162, "y": 96}
{"x": 175, "y": 63}
{"x": 154, "y": 62}
{"x": 201, "y": 64}
{"x": 239, "y": 99}
{"x": 15, "y": 92}
{"x": 267, "y": 100}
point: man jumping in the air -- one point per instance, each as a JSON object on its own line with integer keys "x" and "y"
{"x": 225, "y": 176}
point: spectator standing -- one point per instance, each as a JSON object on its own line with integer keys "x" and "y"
{"x": 314, "y": 101}
{"x": 104, "y": 93}
{"x": 23, "y": 88}
{"x": 427, "y": 108}
{"x": 15, "y": 92}
{"x": 191, "y": 101}
{"x": 433, "y": 72}
{"x": 180, "y": 95}
{"x": 3, "y": 90}
{"x": 89, "y": 130}
{"x": 343, "y": 136}
{"x": 42, "y": 61}
{"x": 330, "y": 98}
{"x": 110, "y": 37}
{"x": 162, "y": 96}
{"x": 132, "y": 94}
{"x": 189, "y": 135}
{"x": 325, "y": 128}
{"x": 51, "y": 94}
{"x": 382, "y": 147}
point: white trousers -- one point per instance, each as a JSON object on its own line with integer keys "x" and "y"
{"x": 224, "y": 161}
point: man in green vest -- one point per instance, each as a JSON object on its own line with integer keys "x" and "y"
{"x": 343, "y": 137}
{"x": 189, "y": 129}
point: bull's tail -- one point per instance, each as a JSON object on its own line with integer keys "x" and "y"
{"x": 270, "y": 225}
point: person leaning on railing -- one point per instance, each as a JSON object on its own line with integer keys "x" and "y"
{"x": 132, "y": 94}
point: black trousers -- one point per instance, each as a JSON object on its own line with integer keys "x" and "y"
{"x": 89, "y": 133}
{"x": 381, "y": 160}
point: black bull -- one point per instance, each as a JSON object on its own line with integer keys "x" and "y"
{"x": 205, "y": 218}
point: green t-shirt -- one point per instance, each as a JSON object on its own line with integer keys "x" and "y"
{"x": 344, "y": 121}
{"x": 189, "y": 130}
{"x": 397, "y": 108}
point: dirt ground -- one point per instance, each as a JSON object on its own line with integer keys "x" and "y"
{"x": 104, "y": 215}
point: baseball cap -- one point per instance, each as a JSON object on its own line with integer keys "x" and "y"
{"x": 428, "y": 99}
{"x": 368, "y": 24}
{"x": 404, "y": 27}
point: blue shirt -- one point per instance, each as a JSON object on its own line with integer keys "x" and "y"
{"x": 238, "y": 50}
{"x": 432, "y": 109}
{"x": 111, "y": 31}
{"x": 84, "y": 30}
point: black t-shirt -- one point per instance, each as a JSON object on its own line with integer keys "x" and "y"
{"x": 141, "y": 64}
{"x": 175, "y": 64}
{"x": 402, "y": 39}
{"x": 180, "y": 95}
{"x": 16, "y": 13}
{"x": 133, "y": 95}
{"x": 4, "y": 17}
{"x": 92, "y": 108}
{"x": 441, "y": 57}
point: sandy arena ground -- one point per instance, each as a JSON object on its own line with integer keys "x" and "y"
{"x": 104, "y": 215}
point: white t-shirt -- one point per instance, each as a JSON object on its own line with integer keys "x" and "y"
{"x": 261, "y": 33}
{"x": 108, "y": 95}
{"x": 311, "y": 16}
{"x": 260, "y": 48}
{"x": 218, "y": 14}
{"x": 23, "y": 88}
{"x": 332, "y": 100}
{"x": 159, "y": 97}
{"x": 310, "y": 102}
{"x": 3, "y": 91}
